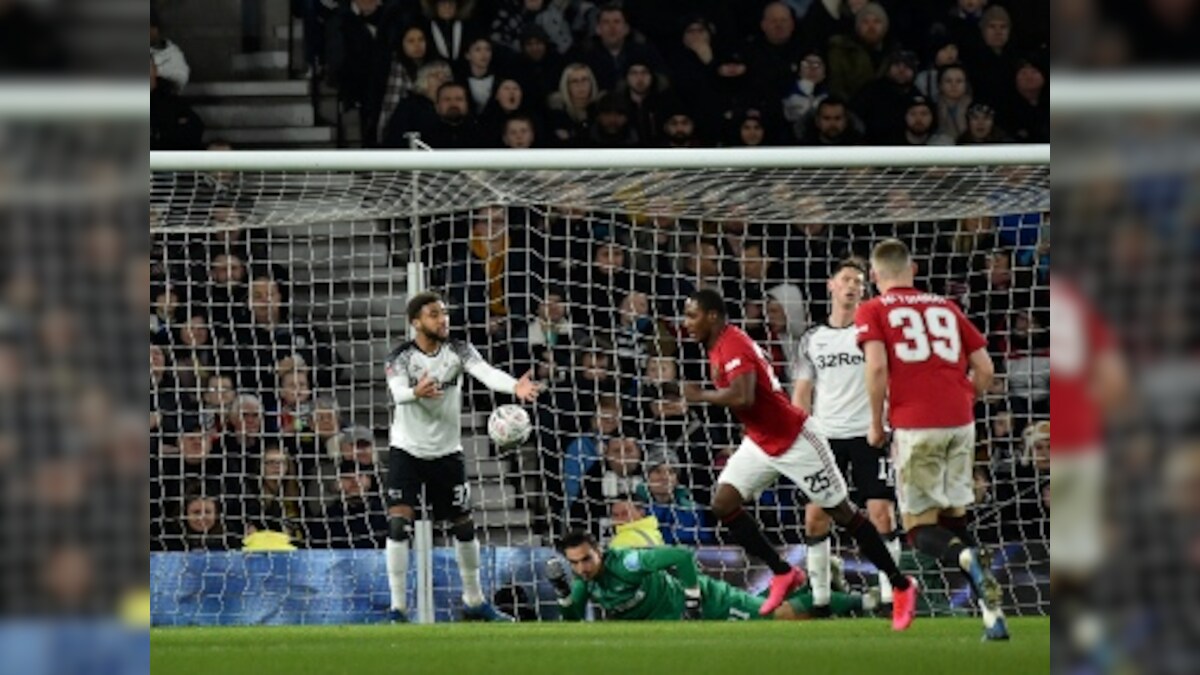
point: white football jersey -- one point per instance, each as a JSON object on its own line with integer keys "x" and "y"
{"x": 430, "y": 427}
{"x": 831, "y": 359}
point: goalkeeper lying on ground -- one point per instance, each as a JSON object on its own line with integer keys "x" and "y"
{"x": 663, "y": 584}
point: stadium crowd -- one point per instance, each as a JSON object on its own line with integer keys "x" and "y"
{"x": 574, "y": 73}
{"x": 249, "y": 436}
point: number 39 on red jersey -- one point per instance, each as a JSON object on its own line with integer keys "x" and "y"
{"x": 928, "y": 342}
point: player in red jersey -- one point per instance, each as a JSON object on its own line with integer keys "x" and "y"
{"x": 1088, "y": 384}
{"x": 918, "y": 346}
{"x": 779, "y": 439}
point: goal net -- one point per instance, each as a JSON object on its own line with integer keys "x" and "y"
{"x": 277, "y": 296}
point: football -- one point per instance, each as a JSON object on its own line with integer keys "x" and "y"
{"x": 509, "y": 425}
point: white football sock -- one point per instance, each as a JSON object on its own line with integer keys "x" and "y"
{"x": 885, "y": 584}
{"x": 467, "y": 553}
{"x": 397, "y": 571}
{"x": 819, "y": 576}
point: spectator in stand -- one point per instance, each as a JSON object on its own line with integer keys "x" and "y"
{"x": 245, "y": 424}
{"x": 418, "y": 113}
{"x": 693, "y": 62}
{"x": 611, "y": 126}
{"x": 882, "y": 103}
{"x": 196, "y": 355}
{"x": 609, "y": 57}
{"x": 855, "y": 59}
{"x": 220, "y": 391}
{"x": 953, "y": 100}
{"x": 519, "y": 133}
{"x": 619, "y": 473}
{"x": 1028, "y": 367}
{"x": 787, "y": 319}
{"x": 757, "y": 274}
{"x": 456, "y": 126}
{"x": 632, "y": 528}
{"x": 514, "y": 16}
{"x": 746, "y": 129}
{"x": 641, "y": 92}
{"x": 165, "y": 301}
{"x": 358, "y": 518}
{"x": 171, "y": 64}
{"x": 1027, "y": 114}
{"x": 227, "y": 294}
{"x": 272, "y": 333}
{"x": 552, "y": 336}
{"x": 981, "y": 126}
{"x": 450, "y": 26}
{"x": 679, "y": 129}
{"x": 201, "y": 527}
{"x": 173, "y": 123}
{"x": 477, "y": 71}
{"x": 680, "y": 519}
{"x": 942, "y": 54}
{"x": 490, "y": 286}
{"x": 920, "y": 125}
{"x": 409, "y": 55}
{"x": 571, "y": 106}
{"x": 992, "y": 65}
{"x": 538, "y": 66}
{"x": 293, "y": 414}
{"x": 810, "y": 86}
{"x": 359, "y": 57}
{"x": 507, "y": 102}
{"x": 587, "y": 449}
{"x": 771, "y": 55}
{"x": 164, "y": 391}
{"x": 962, "y": 23}
{"x": 277, "y": 506}
{"x": 831, "y": 125}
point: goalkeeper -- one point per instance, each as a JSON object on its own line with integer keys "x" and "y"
{"x": 663, "y": 584}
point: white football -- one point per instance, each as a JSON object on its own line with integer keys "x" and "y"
{"x": 509, "y": 425}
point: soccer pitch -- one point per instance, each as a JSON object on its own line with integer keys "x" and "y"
{"x": 931, "y": 646}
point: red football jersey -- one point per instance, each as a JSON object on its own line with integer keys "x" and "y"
{"x": 1077, "y": 339}
{"x": 772, "y": 422}
{"x": 928, "y": 340}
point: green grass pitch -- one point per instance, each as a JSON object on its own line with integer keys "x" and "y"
{"x": 861, "y": 646}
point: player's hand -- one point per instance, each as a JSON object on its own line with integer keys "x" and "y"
{"x": 691, "y": 604}
{"x": 427, "y": 388}
{"x": 527, "y": 390}
{"x": 876, "y": 437}
{"x": 692, "y": 393}
{"x": 556, "y": 573}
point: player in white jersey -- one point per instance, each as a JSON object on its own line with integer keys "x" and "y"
{"x": 831, "y": 386}
{"x": 424, "y": 377}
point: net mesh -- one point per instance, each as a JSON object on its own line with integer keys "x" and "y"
{"x": 277, "y": 297}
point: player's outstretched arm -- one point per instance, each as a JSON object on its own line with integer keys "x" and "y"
{"x": 739, "y": 393}
{"x": 678, "y": 560}
{"x": 525, "y": 389}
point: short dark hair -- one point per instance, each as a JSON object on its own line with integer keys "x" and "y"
{"x": 418, "y": 303}
{"x": 615, "y": 6}
{"x": 449, "y": 85}
{"x": 710, "y": 300}
{"x": 853, "y": 263}
{"x": 830, "y": 101}
{"x": 576, "y": 538}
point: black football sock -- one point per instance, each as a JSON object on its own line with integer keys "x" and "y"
{"x": 871, "y": 545}
{"x": 958, "y": 527}
{"x": 749, "y": 536}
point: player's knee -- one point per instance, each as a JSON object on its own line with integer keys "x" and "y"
{"x": 726, "y": 503}
{"x": 880, "y": 514}
{"x": 399, "y": 528}
{"x": 817, "y": 524}
{"x": 463, "y": 530}
{"x": 846, "y": 515}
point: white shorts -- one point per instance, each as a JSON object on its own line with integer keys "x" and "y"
{"x": 809, "y": 463}
{"x": 1076, "y": 489}
{"x": 934, "y": 468}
